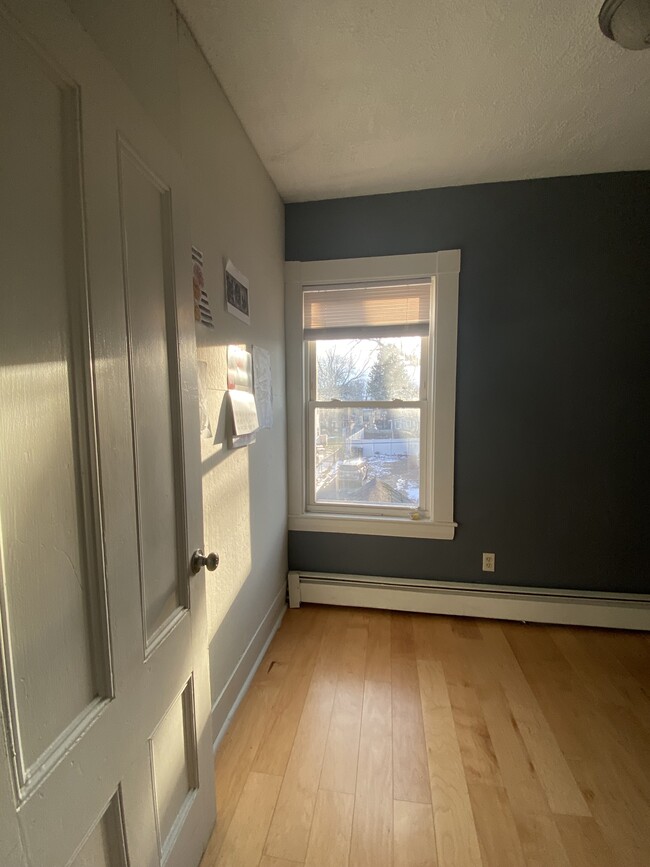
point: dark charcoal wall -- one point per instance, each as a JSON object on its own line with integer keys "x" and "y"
{"x": 552, "y": 406}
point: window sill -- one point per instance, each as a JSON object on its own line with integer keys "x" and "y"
{"x": 367, "y": 526}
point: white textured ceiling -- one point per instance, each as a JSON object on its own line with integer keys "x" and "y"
{"x": 347, "y": 97}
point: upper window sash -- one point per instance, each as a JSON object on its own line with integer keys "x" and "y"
{"x": 398, "y": 309}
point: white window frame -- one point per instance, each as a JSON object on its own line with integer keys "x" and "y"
{"x": 435, "y": 518}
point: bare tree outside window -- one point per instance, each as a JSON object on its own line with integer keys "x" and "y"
{"x": 341, "y": 370}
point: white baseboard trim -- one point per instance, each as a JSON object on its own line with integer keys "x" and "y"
{"x": 236, "y": 688}
{"x": 571, "y": 607}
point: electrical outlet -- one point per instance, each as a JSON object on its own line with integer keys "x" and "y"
{"x": 488, "y": 562}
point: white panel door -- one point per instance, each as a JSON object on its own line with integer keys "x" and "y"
{"x": 106, "y": 756}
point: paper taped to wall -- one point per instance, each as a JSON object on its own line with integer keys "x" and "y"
{"x": 204, "y": 417}
{"x": 240, "y": 368}
{"x": 244, "y": 412}
{"x": 263, "y": 386}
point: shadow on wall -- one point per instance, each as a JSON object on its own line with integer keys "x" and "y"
{"x": 241, "y": 523}
{"x": 226, "y": 495}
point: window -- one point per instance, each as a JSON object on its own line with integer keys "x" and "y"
{"x": 367, "y": 349}
{"x": 371, "y": 393}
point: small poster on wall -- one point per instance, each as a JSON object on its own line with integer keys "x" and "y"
{"x": 237, "y": 293}
{"x": 202, "y": 312}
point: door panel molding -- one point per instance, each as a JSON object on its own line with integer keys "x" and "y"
{"x": 127, "y": 154}
{"x": 77, "y": 353}
{"x": 190, "y": 753}
{"x": 110, "y": 825}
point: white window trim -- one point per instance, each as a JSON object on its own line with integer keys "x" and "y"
{"x": 444, "y": 269}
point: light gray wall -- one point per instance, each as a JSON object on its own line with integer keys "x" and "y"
{"x": 139, "y": 38}
{"x": 236, "y": 213}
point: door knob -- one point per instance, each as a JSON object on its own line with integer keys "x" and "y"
{"x": 199, "y": 560}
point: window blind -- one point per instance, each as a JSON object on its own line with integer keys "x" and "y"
{"x": 335, "y": 312}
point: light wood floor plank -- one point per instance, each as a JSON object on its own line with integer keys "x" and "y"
{"x": 372, "y": 828}
{"x": 593, "y": 711}
{"x": 439, "y": 638}
{"x": 430, "y": 634}
{"x": 274, "y": 667}
{"x": 275, "y": 746}
{"x": 402, "y": 640}
{"x": 609, "y": 762}
{"x": 495, "y": 825}
{"x": 247, "y": 832}
{"x": 562, "y": 791}
{"x": 456, "y": 840}
{"x": 476, "y": 748}
{"x": 329, "y": 841}
{"x": 515, "y": 766}
{"x": 621, "y": 816}
{"x": 540, "y": 840}
{"x": 611, "y": 779}
{"x": 585, "y": 844}
{"x": 631, "y": 649}
{"x": 410, "y": 770}
{"x": 235, "y": 756}
{"x": 339, "y": 773}
{"x": 605, "y": 676}
{"x": 467, "y": 627}
{"x": 289, "y": 832}
{"x": 415, "y": 841}
{"x": 378, "y": 654}
{"x": 538, "y": 835}
{"x": 410, "y": 767}
{"x": 267, "y": 861}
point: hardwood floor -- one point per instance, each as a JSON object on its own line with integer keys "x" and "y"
{"x": 379, "y": 739}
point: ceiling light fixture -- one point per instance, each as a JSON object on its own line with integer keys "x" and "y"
{"x": 626, "y": 22}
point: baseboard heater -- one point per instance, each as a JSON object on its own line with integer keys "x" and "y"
{"x": 574, "y": 607}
